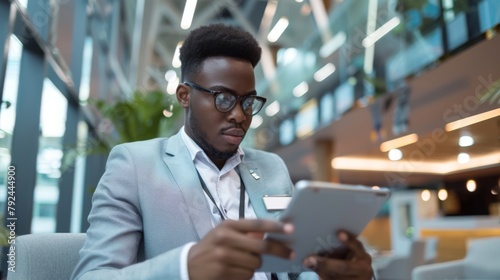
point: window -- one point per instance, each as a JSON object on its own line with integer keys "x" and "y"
{"x": 8, "y": 110}
{"x": 52, "y": 128}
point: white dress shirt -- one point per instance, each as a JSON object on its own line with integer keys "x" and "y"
{"x": 224, "y": 186}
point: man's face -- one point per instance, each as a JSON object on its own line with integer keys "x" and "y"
{"x": 219, "y": 134}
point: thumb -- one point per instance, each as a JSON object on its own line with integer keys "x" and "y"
{"x": 313, "y": 262}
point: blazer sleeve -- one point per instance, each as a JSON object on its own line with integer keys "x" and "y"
{"x": 115, "y": 232}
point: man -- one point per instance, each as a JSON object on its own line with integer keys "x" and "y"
{"x": 186, "y": 207}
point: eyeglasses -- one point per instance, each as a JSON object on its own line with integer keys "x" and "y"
{"x": 225, "y": 101}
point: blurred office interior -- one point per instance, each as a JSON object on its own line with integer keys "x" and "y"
{"x": 402, "y": 94}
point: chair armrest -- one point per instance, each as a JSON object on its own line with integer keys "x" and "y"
{"x": 445, "y": 270}
{"x": 396, "y": 268}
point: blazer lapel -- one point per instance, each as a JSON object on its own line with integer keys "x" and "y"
{"x": 183, "y": 170}
{"x": 256, "y": 188}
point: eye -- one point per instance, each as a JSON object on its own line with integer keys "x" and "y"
{"x": 249, "y": 102}
{"x": 252, "y": 105}
{"x": 224, "y": 100}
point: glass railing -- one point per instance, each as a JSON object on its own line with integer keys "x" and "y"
{"x": 369, "y": 49}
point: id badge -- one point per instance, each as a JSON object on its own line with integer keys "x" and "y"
{"x": 276, "y": 202}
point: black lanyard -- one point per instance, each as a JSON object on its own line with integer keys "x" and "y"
{"x": 242, "y": 197}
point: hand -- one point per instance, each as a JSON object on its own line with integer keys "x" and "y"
{"x": 357, "y": 265}
{"x": 232, "y": 250}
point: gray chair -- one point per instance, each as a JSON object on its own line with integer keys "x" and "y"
{"x": 46, "y": 256}
{"x": 400, "y": 267}
{"x": 481, "y": 262}
{"x": 431, "y": 244}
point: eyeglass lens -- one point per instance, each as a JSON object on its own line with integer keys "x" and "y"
{"x": 225, "y": 101}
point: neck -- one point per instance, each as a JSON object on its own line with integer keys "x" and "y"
{"x": 218, "y": 162}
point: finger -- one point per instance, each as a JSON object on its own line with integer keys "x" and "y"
{"x": 289, "y": 228}
{"x": 258, "y": 235}
{"x": 277, "y": 248}
{"x": 235, "y": 258}
{"x": 331, "y": 268}
{"x": 258, "y": 225}
{"x": 228, "y": 237}
{"x": 355, "y": 246}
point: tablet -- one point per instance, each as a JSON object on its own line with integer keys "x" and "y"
{"x": 318, "y": 210}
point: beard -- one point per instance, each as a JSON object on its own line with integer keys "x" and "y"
{"x": 200, "y": 138}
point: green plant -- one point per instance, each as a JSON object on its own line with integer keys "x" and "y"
{"x": 4, "y": 235}
{"x": 144, "y": 116}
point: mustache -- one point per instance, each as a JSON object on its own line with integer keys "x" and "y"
{"x": 233, "y": 127}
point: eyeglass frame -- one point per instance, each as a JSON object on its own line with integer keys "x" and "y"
{"x": 239, "y": 98}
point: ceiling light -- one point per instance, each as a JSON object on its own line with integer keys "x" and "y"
{"x": 333, "y": 44}
{"x": 172, "y": 85}
{"x": 431, "y": 167}
{"x": 381, "y": 32}
{"x": 472, "y": 120}
{"x": 494, "y": 191}
{"x": 324, "y": 72}
{"x": 277, "y": 30}
{"x": 170, "y": 75}
{"x": 300, "y": 89}
{"x": 471, "y": 185}
{"x": 376, "y": 187}
{"x": 465, "y": 141}
{"x": 463, "y": 158}
{"x": 398, "y": 142}
{"x": 395, "y": 154}
{"x": 442, "y": 194}
{"x": 256, "y": 121}
{"x": 273, "y": 108}
{"x": 176, "y": 62}
{"x": 425, "y": 195}
{"x": 187, "y": 15}
{"x": 371, "y": 26}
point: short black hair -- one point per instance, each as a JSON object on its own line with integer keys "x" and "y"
{"x": 217, "y": 40}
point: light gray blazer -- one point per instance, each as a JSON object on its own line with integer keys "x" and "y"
{"x": 149, "y": 203}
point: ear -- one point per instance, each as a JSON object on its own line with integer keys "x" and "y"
{"x": 183, "y": 95}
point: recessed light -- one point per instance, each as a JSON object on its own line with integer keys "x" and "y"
{"x": 463, "y": 158}
{"x": 471, "y": 185}
{"x": 395, "y": 154}
{"x": 425, "y": 195}
{"x": 442, "y": 194}
{"x": 465, "y": 141}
